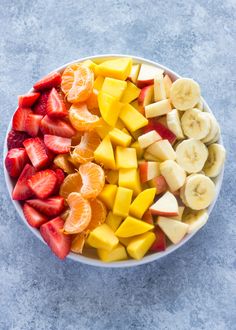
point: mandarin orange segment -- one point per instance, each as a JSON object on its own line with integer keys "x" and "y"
{"x": 93, "y": 179}
{"x": 72, "y": 183}
{"x": 77, "y": 82}
{"x": 84, "y": 152}
{"x": 62, "y": 162}
{"x": 81, "y": 118}
{"x": 99, "y": 213}
{"x": 80, "y": 214}
{"x": 78, "y": 242}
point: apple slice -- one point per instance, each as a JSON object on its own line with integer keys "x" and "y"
{"x": 148, "y": 170}
{"x": 133, "y": 76}
{"x": 164, "y": 132}
{"x": 174, "y": 174}
{"x": 180, "y": 215}
{"x": 159, "y": 183}
{"x": 149, "y": 138}
{"x": 162, "y": 150}
{"x": 159, "y": 108}
{"x": 147, "y": 74}
{"x": 150, "y": 157}
{"x": 166, "y": 205}
{"x": 167, "y": 83}
{"x": 146, "y": 95}
{"x": 159, "y": 89}
{"x": 174, "y": 230}
{"x": 160, "y": 241}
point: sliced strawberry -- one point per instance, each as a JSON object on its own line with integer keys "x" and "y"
{"x": 57, "y": 144}
{"x": 51, "y": 80}
{"x": 21, "y": 190}
{"x": 15, "y": 161}
{"x": 19, "y": 118}
{"x": 33, "y": 217}
{"x": 60, "y": 178}
{"x": 52, "y": 233}
{"x": 40, "y": 107}
{"x": 56, "y": 127}
{"x": 51, "y": 207}
{"x": 43, "y": 183}
{"x": 36, "y": 151}
{"x": 15, "y": 139}
{"x": 160, "y": 242}
{"x": 55, "y": 106}
{"x": 32, "y": 124}
{"x": 27, "y": 100}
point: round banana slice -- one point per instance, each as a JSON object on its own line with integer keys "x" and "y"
{"x": 184, "y": 93}
{"x": 195, "y": 124}
{"x": 191, "y": 155}
{"x": 215, "y": 160}
{"x": 173, "y": 123}
{"x": 182, "y": 195}
{"x": 195, "y": 219}
{"x": 214, "y": 127}
{"x": 199, "y": 191}
{"x": 199, "y": 105}
{"x": 216, "y": 137}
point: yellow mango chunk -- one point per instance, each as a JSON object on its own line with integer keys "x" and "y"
{"x": 113, "y": 221}
{"x": 91, "y": 65}
{"x": 129, "y": 178}
{"x": 139, "y": 150}
{"x": 140, "y": 245}
{"x": 104, "y": 154}
{"x": 118, "y": 253}
{"x": 114, "y": 87}
{"x": 126, "y": 158}
{"x": 108, "y": 194}
{"x": 132, "y": 227}
{"x": 126, "y": 240}
{"x": 119, "y": 68}
{"x": 112, "y": 176}
{"x": 103, "y": 128}
{"x": 132, "y": 119}
{"x": 103, "y": 237}
{"x": 122, "y": 201}
{"x": 120, "y": 124}
{"x": 119, "y": 138}
{"x": 142, "y": 202}
{"x": 131, "y": 93}
{"x": 98, "y": 82}
{"x": 109, "y": 107}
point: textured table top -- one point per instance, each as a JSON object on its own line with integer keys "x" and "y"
{"x": 195, "y": 287}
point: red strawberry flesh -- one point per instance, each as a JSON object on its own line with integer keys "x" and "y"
{"x": 37, "y": 153}
{"x": 51, "y": 207}
{"x": 19, "y": 118}
{"x": 28, "y": 100}
{"x": 43, "y": 183}
{"x": 21, "y": 190}
{"x": 15, "y": 139}
{"x": 51, "y": 80}
{"x": 57, "y": 144}
{"x": 32, "y": 124}
{"x": 40, "y": 107}
{"x": 33, "y": 217}
{"x": 15, "y": 161}
{"x": 56, "y": 127}
{"x": 55, "y": 106}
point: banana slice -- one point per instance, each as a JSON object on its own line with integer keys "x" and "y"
{"x": 214, "y": 127}
{"x": 182, "y": 195}
{"x": 173, "y": 123}
{"x": 191, "y": 155}
{"x": 195, "y": 219}
{"x": 196, "y": 124}
{"x": 185, "y": 93}
{"x": 199, "y": 191}
{"x": 199, "y": 105}
{"x": 215, "y": 160}
{"x": 216, "y": 137}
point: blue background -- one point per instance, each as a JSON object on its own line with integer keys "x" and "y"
{"x": 195, "y": 287}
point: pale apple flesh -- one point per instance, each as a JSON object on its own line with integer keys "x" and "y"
{"x": 166, "y": 205}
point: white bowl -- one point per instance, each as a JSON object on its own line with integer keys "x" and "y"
{"x": 91, "y": 260}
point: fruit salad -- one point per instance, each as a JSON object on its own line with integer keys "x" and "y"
{"x": 115, "y": 158}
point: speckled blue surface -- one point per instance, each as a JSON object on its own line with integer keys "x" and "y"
{"x": 195, "y": 287}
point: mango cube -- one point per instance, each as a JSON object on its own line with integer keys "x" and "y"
{"x": 113, "y": 221}
{"x": 114, "y": 87}
{"x": 122, "y": 201}
{"x": 132, "y": 118}
{"x": 91, "y": 65}
{"x": 98, "y": 82}
{"x": 139, "y": 150}
{"x": 126, "y": 158}
{"x": 132, "y": 227}
{"x": 142, "y": 202}
{"x": 109, "y": 107}
{"x": 120, "y": 124}
{"x": 104, "y": 154}
{"x": 108, "y": 194}
{"x": 103, "y": 128}
{"x": 126, "y": 240}
{"x": 103, "y": 237}
{"x": 119, "y": 68}
{"x": 140, "y": 245}
{"x": 131, "y": 93}
{"x": 118, "y": 253}
{"x": 129, "y": 178}
{"x": 112, "y": 176}
{"x": 119, "y": 138}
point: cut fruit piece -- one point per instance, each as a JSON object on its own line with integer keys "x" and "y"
{"x": 167, "y": 83}
{"x": 51, "y": 80}
{"x": 164, "y": 132}
{"x": 149, "y": 157}
{"x": 56, "y": 127}
{"x": 160, "y": 241}
{"x": 103, "y": 128}
{"x": 81, "y": 119}
{"x": 78, "y": 242}
{"x": 32, "y": 124}
{"x": 98, "y": 82}
{"x": 140, "y": 245}
{"x": 133, "y": 76}
{"x": 55, "y": 106}
{"x": 148, "y": 217}
{"x": 180, "y": 215}
{"x": 196, "y": 124}
{"x": 117, "y": 254}
{"x": 108, "y": 194}
{"x": 93, "y": 179}
{"x": 72, "y": 183}
{"x": 52, "y": 234}
{"x": 119, "y": 68}
{"x": 60, "y": 178}
{"x": 114, "y": 87}
{"x": 113, "y": 221}
{"x": 112, "y": 176}
{"x": 162, "y": 150}
{"x": 174, "y": 125}
{"x": 142, "y": 202}
{"x": 104, "y": 154}
{"x": 109, "y": 107}
{"x": 195, "y": 219}
{"x": 99, "y": 214}
{"x": 147, "y": 74}
{"x": 84, "y": 152}
{"x": 15, "y": 161}
{"x": 103, "y": 237}
{"x": 80, "y": 214}
{"x": 40, "y": 107}
{"x": 215, "y": 160}
{"x": 156, "y": 109}
{"x": 148, "y": 170}
{"x": 36, "y": 152}
{"x": 119, "y": 137}
{"x": 159, "y": 183}
{"x": 129, "y": 178}
{"x": 145, "y": 140}
{"x": 139, "y": 150}
{"x": 62, "y": 162}
{"x": 159, "y": 89}
{"x": 126, "y": 158}
{"x": 166, "y": 205}
{"x": 174, "y": 230}
{"x": 174, "y": 175}
{"x": 19, "y": 119}
{"x": 21, "y": 190}
{"x": 15, "y": 139}
{"x": 57, "y": 144}
{"x": 33, "y": 217}
{"x": 131, "y": 93}
{"x": 146, "y": 96}
{"x": 26, "y": 101}
{"x": 43, "y": 183}
{"x": 184, "y": 93}
{"x": 132, "y": 119}
{"x": 122, "y": 201}
{"x": 90, "y": 64}
{"x": 51, "y": 207}
{"x": 138, "y": 107}
{"x": 132, "y": 227}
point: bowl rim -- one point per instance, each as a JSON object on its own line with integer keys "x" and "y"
{"x": 97, "y": 262}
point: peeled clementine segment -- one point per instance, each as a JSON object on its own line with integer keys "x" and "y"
{"x": 72, "y": 183}
{"x": 80, "y": 214}
{"x": 62, "y": 162}
{"x": 93, "y": 179}
{"x": 77, "y": 82}
{"x": 84, "y": 152}
{"x": 81, "y": 118}
{"x": 99, "y": 213}
{"x": 75, "y": 140}
{"x": 78, "y": 242}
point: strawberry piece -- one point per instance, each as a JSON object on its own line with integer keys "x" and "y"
{"x": 32, "y": 124}
{"x": 52, "y": 233}
{"x": 57, "y": 144}
{"x": 43, "y": 183}
{"x": 51, "y": 207}
{"x": 51, "y": 80}
{"x": 55, "y": 106}
{"x": 160, "y": 242}
{"x": 21, "y": 190}
{"x": 40, "y": 107}
{"x": 56, "y": 127}
{"x": 33, "y": 217}
{"x": 19, "y": 118}
{"x": 15, "y": 161}
{"x": 36, "y": 152}
{"x": 15, "y": 139}
{"x": 60, "y": 178}
{"x": 27, "y": 100}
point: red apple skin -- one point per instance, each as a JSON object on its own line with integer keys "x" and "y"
{"x": 161, "y": 129}
{"x": 142, "y": 99}
{"x": 143, "y": 83}
{"x": 143, "y": 171}
{"x": 160, "y": 184}
{"x": 160, "y": 242}
{"x": 147, "y": 217}
{"x": 164, "y": 214}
